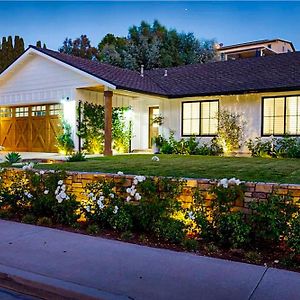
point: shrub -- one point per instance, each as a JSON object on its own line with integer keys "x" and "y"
{"x": 64, "y": 139}
{"x": 188, "y": 146}
{"x": 170, "y": 230}
{"x": 230, "y": 131}
{"x": 93, "y": 229}
{"x": 275, "y": 147}
{"x": 50, "y": 198}
{"x": 44, "y": 221}
{"x": 77, "y": 156}
{"x": 293, "y": 237}
{"x": 29, "y": 219}
{"x": 270, "y": 218}
{"x": 13, "y": 157}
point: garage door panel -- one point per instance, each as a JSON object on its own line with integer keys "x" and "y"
{"x": 7, "y": 133}
{"x": 30, "y": 129}
{"x": 22, "y": 134}
{"x": 39, "y": 134}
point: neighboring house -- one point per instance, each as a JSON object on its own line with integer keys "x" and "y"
{"x": 254, "y": 49}
{"x": 264, "y": 90}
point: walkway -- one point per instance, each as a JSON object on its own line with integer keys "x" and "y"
{"x": 107, "y": 269}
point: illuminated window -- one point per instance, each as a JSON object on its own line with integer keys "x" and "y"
{"x": 200, "y": 118}
{"x": 55, "y": 109}
{"x": 22, "y": 111}
{"x": 5, "y": 112}
{"x": 38, "y": 111}
{"x": 281, "y": 116}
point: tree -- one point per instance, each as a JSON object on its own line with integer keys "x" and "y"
{"x": 11, "y": 49}
{"x": 154, "y": 46}
{"x": 79, "y": 47}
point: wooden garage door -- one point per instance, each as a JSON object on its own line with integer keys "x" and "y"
{"x": 30, "y": 128}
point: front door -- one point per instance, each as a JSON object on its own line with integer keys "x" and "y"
{"x": 153, "y": 125}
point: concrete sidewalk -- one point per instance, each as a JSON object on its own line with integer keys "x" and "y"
{"x": 107, "y": 269}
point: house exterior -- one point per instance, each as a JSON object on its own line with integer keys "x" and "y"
{"x": 265, "y": 91}
{"x": 254, "y": 49}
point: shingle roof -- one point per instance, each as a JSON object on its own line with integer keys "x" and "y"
{"x": 255, "y": 43}
{"x": 257, "y": 74}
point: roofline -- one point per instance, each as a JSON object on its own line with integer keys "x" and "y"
{"x": 35, "y": 50}
{"x": 255, "y": 43}
{"x": 241, "y": 92}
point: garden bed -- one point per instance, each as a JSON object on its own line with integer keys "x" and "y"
{"x": 150, "y": 211}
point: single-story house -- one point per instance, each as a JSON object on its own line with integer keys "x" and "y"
{"x": 41, "y": 82}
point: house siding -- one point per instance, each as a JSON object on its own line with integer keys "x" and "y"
{"x": 249, "y": 106}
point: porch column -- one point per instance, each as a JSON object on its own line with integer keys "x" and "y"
{"x": 108, "y": 122}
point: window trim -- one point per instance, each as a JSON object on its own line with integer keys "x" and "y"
{"x": 198, "y": 101}
{"x": 284, "y": 117}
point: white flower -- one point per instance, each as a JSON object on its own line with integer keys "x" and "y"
{"x": 57, "y": 190}
{"x": 88, "y": 208}
{"x": 128, "y": 198}
{"x": 46, "y": 192}
{"x": 28, "y": 195}
{"x": 120, "y": 173}
{"x": 101, "y": 198}
{"x": 128, "y": 190}
{"x": 59, "y": 199}
{"x": 223, "y": 182}
{"x": 63, "y": 195}
{"x": 100, "y": 204}
{"x": 111, "y": 195}
{"x": 60, "y": 182}
{"x": 139, "y": 178}
{"x": 137, "y": 197}
{"x": 234, "y": 181}
{"x": 135, "y": 181}
{"x": 155, "y": 158}
{"x": 191, "y": 215}
{"x": 115, "y": 211}
{"x": 91, "y": 195}
{"x": 63, "y": 187}
{"x": 42, "y": 172}
{"x": 36, "y": 173}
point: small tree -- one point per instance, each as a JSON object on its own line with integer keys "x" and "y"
{"x": 230, "y": 131}
{"x": 64, "y": 139}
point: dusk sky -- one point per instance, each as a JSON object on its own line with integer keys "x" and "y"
{"x": 227, "y": 22}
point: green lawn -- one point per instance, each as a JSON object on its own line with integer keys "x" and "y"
{"x": 244, "y": 168}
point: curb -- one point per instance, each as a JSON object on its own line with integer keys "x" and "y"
{"x": 44, "y": 287}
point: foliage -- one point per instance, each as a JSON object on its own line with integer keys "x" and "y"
{"x": 10, "y": 49}
{"x": 170, "y": 230}
{"x": 230, "y": 131}
{"x": 64, "y": 139}
{"x": 218, "y": 221}
{"x": 150, "y": 45}
{"x": 92, "y": 128}
{"x": 270, "y": 219}
{"x": 13, "y": 157}
{"x": 293, "y": 238}
{"x": 77, "y": 156}
{"x": 38, "y": 195}
{"x": 286, "y": 147}
{"x": 152, "y": 207}
{"x": 188, "y": 146}
{"x": 79, "y": 47}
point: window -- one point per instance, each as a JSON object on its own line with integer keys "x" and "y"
{"x": 38, "y": 111}
{"x": 200, "y": 118}
{"x": 5, "y": 112}
{"x": 281, "y": 116}
{"x": 22, "y": 111}
{"x": 55, "y": 109}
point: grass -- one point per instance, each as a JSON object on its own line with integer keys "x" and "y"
{"x": 244, "y": 168}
